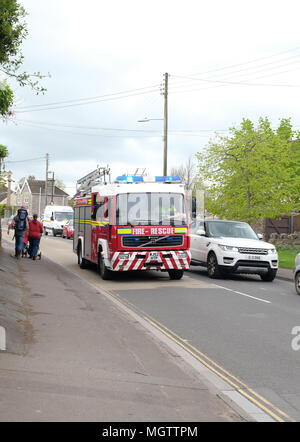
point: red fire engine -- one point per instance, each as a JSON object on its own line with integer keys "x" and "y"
{"x": 134, "y": 223}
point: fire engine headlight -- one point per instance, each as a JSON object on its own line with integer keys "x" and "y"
{"x": 182, "y": 255}
{"x": 124, "y": 256}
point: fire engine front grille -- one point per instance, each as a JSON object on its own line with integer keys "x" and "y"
{"x": 152, "y": 241}
{"x": 252, "y": 251}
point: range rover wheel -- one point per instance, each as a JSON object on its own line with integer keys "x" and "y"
{"x": 83, "y": 263}
{"x": 269, "y": 275}
{"x": 297, "y": 283}
{"x": 175, "y": 274}
{"x": 213, "y": 268}
{"x": 104, "y": 272}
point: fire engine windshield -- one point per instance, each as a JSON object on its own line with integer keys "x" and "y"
{"x": 150, "y": 209}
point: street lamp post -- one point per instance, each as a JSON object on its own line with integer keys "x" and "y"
{"x": 146, "y": 120}
{"x": 52, "y": 186}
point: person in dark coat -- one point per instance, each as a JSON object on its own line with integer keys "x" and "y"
{"x": 20, "y": 225}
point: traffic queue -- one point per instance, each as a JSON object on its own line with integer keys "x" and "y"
{"x": 141, "y": 223}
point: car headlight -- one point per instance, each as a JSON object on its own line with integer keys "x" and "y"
{"x": 272, "y": 251}
{"x": 228, "y": 248}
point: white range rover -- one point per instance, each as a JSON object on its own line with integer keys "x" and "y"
{"x": 231, "y": 247}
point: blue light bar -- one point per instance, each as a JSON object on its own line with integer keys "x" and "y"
{"x": 170, "y": 179}
{"x": 130, "y": 179}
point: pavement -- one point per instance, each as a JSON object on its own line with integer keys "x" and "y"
{"x": 73, "y": 355}
{"x": 285, "y": 274}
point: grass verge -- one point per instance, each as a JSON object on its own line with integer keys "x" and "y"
{"x": 286, "y": 256}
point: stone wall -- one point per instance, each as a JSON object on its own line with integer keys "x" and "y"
{"x": 259, "y": 226}
{"x": 285, "y": 239}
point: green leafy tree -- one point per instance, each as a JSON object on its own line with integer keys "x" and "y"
{"x": 295, "y": 171}
{"x": 3, "y": 154}
{"x": 13, "y": 30}
{"x": 250, "y": 174}
{"x": 6, "y": 98}
{"x": 3, "y": 175}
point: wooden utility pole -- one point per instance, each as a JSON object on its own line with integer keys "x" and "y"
{"x": 8, "y": 199}
{"x": 46, "y": 182}
{"x": 165, "y": 171}
{"x": 52, "y": 191}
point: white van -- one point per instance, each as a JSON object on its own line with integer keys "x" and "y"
{"x": 55, "y": 217}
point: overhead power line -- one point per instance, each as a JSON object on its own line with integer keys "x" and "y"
{"x": 181, "y": 83}
{"x": 157, "y": 87}
{"x": 233, "y": 75}
{"x": 213, "y": 71}
{"x": 65, "y": 130}
{"x": 76, "y": 126}
{"x": 23, "y": 161}
{"x": 91, "y": 100}
{"x": 207, "y": 80}
{"x": 98, "y": 128}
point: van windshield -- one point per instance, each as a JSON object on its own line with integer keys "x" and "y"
{"x": 62, "y": 216}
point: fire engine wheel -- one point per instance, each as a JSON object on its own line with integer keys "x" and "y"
{"x": 83, "y": 263}
{"x": 104, "y": 272}
{"x": 175, "y": 274}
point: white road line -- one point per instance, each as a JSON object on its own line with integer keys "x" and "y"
{"x": 244, "y": 294}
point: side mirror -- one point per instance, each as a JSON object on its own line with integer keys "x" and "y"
{"x": 200, "y": 232}
{"x": 259, "y": 236}
{"x": 52, "y": 218}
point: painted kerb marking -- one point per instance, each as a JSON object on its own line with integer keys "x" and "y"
{"x": 239, "y": 385}
{"x": 2, "y": 339}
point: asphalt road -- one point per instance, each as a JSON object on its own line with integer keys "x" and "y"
{"x": 240, "y": 327}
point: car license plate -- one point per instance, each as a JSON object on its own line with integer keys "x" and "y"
{"x": 154, "y": 256}
{"x": 253, "y": 257}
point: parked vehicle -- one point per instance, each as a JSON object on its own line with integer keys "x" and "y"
{"x": 55, "y": 218}
{"x": 297, "y": 274}
{"x": 68, "y": 229}
{"x": 135, "y": 223}
{"x": 231, "y": 247}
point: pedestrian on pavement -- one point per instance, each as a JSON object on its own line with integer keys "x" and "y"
{"x": 20, "y": 225}
{"x": 34, "y": 236}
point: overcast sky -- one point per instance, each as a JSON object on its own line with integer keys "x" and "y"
{"x": 227, "y": 60}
